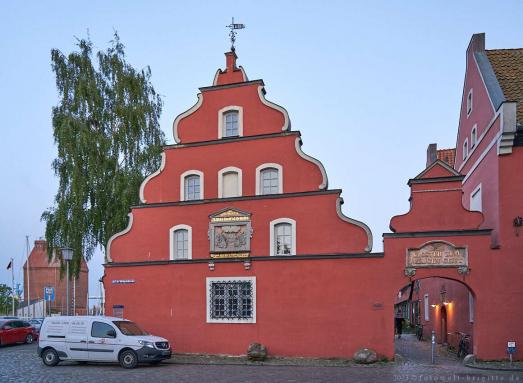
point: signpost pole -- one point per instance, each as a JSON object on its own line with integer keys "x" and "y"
{"x": 433, "y": 347}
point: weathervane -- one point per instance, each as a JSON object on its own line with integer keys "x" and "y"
{"x": 232, "y": 34}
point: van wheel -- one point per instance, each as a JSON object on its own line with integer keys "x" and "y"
{"x": 50, "y": 357}
{"x": 29, "y": 338}
{"x": 128, "y": 359}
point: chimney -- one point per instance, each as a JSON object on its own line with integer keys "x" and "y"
{"x": 432, "y": 154}
{"x": 230, "y": 61}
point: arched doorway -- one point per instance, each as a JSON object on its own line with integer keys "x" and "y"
{"x": 434, "y": 303}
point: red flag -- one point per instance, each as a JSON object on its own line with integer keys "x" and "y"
{"x": 10, "y": 264}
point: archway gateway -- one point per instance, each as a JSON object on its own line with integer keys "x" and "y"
{"x": 439, "y": 238}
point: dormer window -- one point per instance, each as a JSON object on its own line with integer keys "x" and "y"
{"x": 230, "y": 122}
{"x": 465, "y": 149}
{"x": 469, "y": 102}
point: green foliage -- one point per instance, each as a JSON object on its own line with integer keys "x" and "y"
{"x": 6, "y": 300}
{"x": 108, "y": 136}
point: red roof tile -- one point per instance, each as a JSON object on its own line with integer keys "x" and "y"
{"x": 447, "y": 155}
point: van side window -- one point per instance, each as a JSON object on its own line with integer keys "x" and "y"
{"x": 102, "y": 330}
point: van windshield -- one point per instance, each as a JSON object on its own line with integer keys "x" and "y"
{"x": 129, "y": 328}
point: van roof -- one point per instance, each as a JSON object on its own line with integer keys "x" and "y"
{"x": 88, "y": 317}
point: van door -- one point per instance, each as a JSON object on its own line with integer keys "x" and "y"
{"x": 102, "y": 342}
{"x": 76, "y": 339}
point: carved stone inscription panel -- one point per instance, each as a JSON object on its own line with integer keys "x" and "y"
{"x": 230, "y": 234}
{"x": 437, "y": 254}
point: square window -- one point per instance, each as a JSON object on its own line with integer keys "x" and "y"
{"x": 231, "y": 300}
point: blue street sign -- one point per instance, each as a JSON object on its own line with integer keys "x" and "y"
{"x": 511, "y": 347}
{"x": 49, "y": 293}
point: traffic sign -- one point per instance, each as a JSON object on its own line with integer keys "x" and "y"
{"x": 49, "y": 293}
{"x": 511, "y": 347}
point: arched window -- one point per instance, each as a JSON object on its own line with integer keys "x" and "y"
{"x": 230, "y": 124}
{"x": 191, "y": 185}
{"x": 230, "y": 182}
{"x": 283, "y": 237}
{"x": 230, "y": 121}
{"x": 181, "y": 242}
{"x": 269, "y": 179}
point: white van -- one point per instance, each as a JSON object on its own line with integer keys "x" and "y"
{"x": 99, "y": 339}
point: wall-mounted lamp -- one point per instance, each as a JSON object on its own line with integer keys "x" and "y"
{"x": 247, "y": 265}
{"x": 434, "y": 306}
{"x": 518, "y": 222}
{"x": 446, "y": 303}
{"x": 211, "y": 265}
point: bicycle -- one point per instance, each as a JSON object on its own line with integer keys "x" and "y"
{"x": 464, "y": 344}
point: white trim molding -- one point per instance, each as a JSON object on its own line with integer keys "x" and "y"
{"x": 343, "y": 217}
{"x": 258, "y": 176}
{"x": 172, "y": 244}
{"x": 272, "y": 225}
{"x": 325, "y": 181}
{"x": 287, "y": 121}
{"x": 230, "y": 169}
{"x": 479, "y": 190}
{"x": 226, "y": 109}
{"x": 210, "y": 280}
{"x": 150, "y": 177}
{"x": 470, "y": 102}
{"x": 119, "y": 234}
{"x": 188, "y": 112}
{"x": 182, "y": 183}
{"x": 245, "y": 78}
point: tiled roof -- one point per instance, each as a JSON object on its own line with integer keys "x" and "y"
{"x": 508, "y": 67}
{"x": 447, "y": 155}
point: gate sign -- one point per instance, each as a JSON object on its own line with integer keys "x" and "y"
{"x": 49, "y": 293}
{"x": 511, "y": 347}
{"x": 437, "y": 254}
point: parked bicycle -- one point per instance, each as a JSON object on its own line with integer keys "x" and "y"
{"x": 464, "y": 344}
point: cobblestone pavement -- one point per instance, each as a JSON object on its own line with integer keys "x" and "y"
{"x": 20, "y": 364}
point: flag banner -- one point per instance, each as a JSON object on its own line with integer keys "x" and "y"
{"x": 10, "y": 264}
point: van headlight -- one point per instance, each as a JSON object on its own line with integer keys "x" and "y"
{"x": 146, "y": 343}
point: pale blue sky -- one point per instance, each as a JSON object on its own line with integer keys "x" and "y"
{"x": 369, "y": 84}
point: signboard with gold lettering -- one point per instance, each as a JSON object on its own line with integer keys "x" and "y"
{"x": 230, "y": 234}
{"x": 437, "y": 254}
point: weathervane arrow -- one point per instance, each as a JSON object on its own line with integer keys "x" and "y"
{"x": 232, "y": 34}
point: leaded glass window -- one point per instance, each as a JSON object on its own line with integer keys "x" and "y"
{"x": 283, "y": 239}
{"x": 231, "y": 300}
{"x": 192, "y": 188}
{"x": 230, "y": 124}
{"x": 269, "y": 181}
{"x": 181, "y": 244}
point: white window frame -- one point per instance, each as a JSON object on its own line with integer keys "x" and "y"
{"x": 426, "y": 308}
{"x": 465, "y": 148}
{"x": 221, "y": 113}
{"x": 229, "y": 169}
{"x": 470, "y": 102}
{"x": 474, "y": 136}
{"x": 262, "y": 167}
{"x": 191, "y": 172}
{"x": 471, "y": 307}
{"x": 293, "y": 233}
{"x": 477, "y": 189}
{"x": 172, "y": 244}
{"x": 210, "y": 280}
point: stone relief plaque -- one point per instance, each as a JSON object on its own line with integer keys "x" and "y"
{"x": 437, "y": 254}
{"x": 230, "y": 234}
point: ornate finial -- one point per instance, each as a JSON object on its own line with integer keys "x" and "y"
{"x": 232, "y": 34}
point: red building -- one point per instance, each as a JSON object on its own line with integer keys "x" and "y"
{"x": 238, "y": 239}
{"x": 47, "y": 273}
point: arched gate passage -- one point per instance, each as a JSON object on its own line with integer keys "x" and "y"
{"x": 439, "y": 238}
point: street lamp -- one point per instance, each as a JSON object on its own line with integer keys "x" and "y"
{"x": 67, "y": 255}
